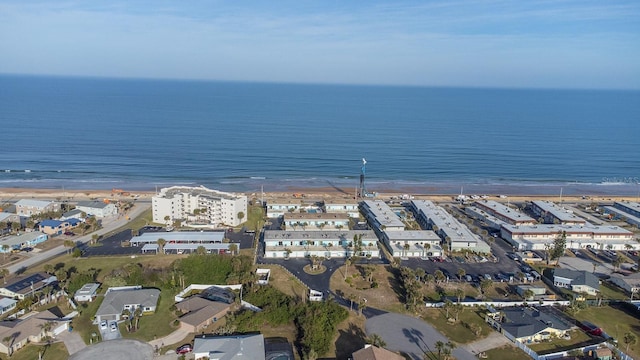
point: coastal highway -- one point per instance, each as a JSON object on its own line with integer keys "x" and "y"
{"x": 108, "y": 226}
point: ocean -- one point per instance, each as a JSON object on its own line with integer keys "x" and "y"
{"x": 91, "y": 133}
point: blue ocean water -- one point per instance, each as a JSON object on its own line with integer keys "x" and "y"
{"x": 101, "y": 133}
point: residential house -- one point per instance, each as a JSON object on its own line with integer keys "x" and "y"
{"x": 34, "y": 328}
{"x": 117, "y": 300}
{"x": 7, "y": 304}
{"x": 54, "y": 227}
{"x": 87, "y": 292}
{"x": 234, "y": 347}
{"x": 30, "y": 207}
{"x": 9, "y": 218}
{"x": 372, "y": 352}
{"x": 17, "y": 242}
{"x": 72, "y": 214}
{"x": 527, "y": 325}
{"x": 199, "y": 312}
{"x": 630, "y": 283}
{"x": 99, "y": 209}
{"x": 577, "y": 281}
{"x": 26, "y": 285}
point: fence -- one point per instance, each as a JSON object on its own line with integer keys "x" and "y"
{"x": 500, "y": 304}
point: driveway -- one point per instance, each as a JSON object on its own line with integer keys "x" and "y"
{"x": 494, "y": 340}
{"x": 116, "y": 350}
{"x": 176, "y": 337}
{"x": 410, "y": 336}
{"x": 72, "y": 341}
{"x": 107, "y": 334}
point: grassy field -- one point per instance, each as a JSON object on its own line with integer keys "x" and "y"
{"x": 507, "y": 352}
{"x": 615, "y": 322}
{"x": 83, "y": 323}
{"x": 458, "y": 332}
{"x": 155, "y": 325}
{"x": 54, "y": 351}
{"x": 284, "y": 282}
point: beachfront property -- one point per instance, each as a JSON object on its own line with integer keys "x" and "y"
{"x": 328, "y": 244}
{"x": 25, "y": 240}
{"x": 539, "y": 237}
{"x": 30, "y": 207}
{"x": 380, "y": 216}
{"x": 527, "y": 325}
{"x": 504, "y": 213}
{"x": 237, "y": 347}
{"x": 628, "y": 210}
{"x": 412, "y": 243}
{"x": 99, "y": 209}
{"x": 630, "y": 283}
{"x": 182, "y": 242}
{"x": 87, "y": 292}
{"x": 117, "y": 300}
{"x": 32, "y": 328}
{"x": 315, "y": 221}
{"x": 57, "y": 227}
{"x": 457, "y": 235}
{"x": 23, "y": 286}
{"x": 279, "y": 209}
{"x": 199, "y": 205}
{"x": 577, "y": 281}
{"x": 551, "y": 213}
{"x": 350, "y": 209}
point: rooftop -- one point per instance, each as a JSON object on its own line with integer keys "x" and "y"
{"x": 114, "y": 301}
{"x": 19, "y": 239}
{"x": 196, "y": 191}
{"x": 382, "y": 213}
{"x": 180, "y": 236}
{"x": 558, "y": 212}
{"x": 24, "y": 284}
{"x": 93, "y": 204}
{"x": 505, "y": 211}
{"x": 524, "y": 322}
{"x": 367, "y": 235}
{"x": 412, "y": 235}
{"x": 235, "y": 347}
{"x": 578, "y": 277}
{"x": 33, "y": 203}
{"x": 455, "y": 230}
{"x": 316, "y": 216}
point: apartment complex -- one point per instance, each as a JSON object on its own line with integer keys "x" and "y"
{"x": 554, "y": 214}
{"x": 199, "y": 205}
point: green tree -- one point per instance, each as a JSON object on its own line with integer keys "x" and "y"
{"x": 376, "y": 340}
{"x": 161, "y": 242}
{"x": 559, "y": 246}
{"x": 629, "y": 339}
{"x": 200, "y": 250}
{"x": 4, "y": 272}
{"x": 240, "y": 216}
{"x": 459, "y": 294}
{"x": 528, "y": 294}
{"x": 485, "y": 285}
{"x": 461, "y": 273}
{"x": 439, "y": 348}
{"x": 69, "y": 244}
{"x": 233, "y": 248}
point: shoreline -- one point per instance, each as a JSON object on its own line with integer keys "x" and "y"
{"x": 333, "y": 193}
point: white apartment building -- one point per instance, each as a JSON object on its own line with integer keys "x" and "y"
{"x": 328, "y": 244}
{"x": 316, "y": 221}
{"x": 350, "y": 208}
{"x": 28, "y": 207}
{"x": 380, "y": 216}
{"x": 554, "y": 214}
{"x": 199, "y": 205}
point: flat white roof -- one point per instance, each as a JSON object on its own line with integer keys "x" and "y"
{"x": 412, "y": 235}
{"x": 19, "y": 239}
{"x": 382, "y": 213}
{"x": 456, "y": 231}
{"x": 631, "y": 205}
{"x": 621, "y": 212}
{"x": 197, "y": 191}
{"x": 318, "y": 235}
{"x": 208, "y": 246}
{"x": 556, "y": 211}
{"x": 88, "y": 289}
{"x": 495, "y": 207}
{"x": 569, "y": 229}
{"x": 182, "y": 236}
{"x": 33, "y": 203}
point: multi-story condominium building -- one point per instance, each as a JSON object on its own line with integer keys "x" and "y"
{"x": 278, "y": 209}
{"x": 504, "y": 213}
{"x": 553, "y": 214}
{"x": 412, "y": 243}
{"x": 328, "y": 244}
{"x": 315, "y": 221}
{"x": 380, "y": 216}
{"x": 29, "y": 207}
{"x": 539, "y": 237}
{"x": 350, "y": 209}
{"x": 479, "y": 214}
{"x": 199, "y": 205}
{"x": 457, "y": 236}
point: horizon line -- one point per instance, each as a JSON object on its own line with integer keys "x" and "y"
{"x": 303, "y": 83}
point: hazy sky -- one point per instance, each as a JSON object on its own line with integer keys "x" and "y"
{"x": 518, "y": 43}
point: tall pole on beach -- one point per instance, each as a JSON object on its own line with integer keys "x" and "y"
{"x": 560, "y": 196}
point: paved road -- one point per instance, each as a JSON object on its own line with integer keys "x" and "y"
{"x": 116, "y": 350}
{"x": 108, "y": 226}
{"x": 410, "y": 336}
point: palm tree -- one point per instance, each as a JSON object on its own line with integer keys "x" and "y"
{"x": 459, "y": 294}
{"x": 461, "y": 273}
{"x": 200, "y": 250}
{"x": 439, "y": 347}
{"x": 233, "y": 248}
{"x": 240, "y": 216}
{"x": 406, "y": 248}
{"x": 9, "y": 340}
{"x": 5, "y": 250}
{"x": 161, "y": 242}
{"x": 376, "y": 340}
{"x": 4, "y": 272}
{"x": 617, "y": 262}
{"x": 420, "y": 273}
{"x": 528, "y": 294}
{"x": 629, "y": 339}
{"x": 69, "y": 244}
{"x": 347, "y": 263}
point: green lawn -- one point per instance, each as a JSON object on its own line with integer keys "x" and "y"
{"x": 614, "y": 322}
{"x": 609, "y": 291}
{"x": 155, "y": 325}
{"x": 83, "y": 323}
{"x": 54, "y": 351}
{"x": 507, "y": 352}
{"x": 458, "y": 332}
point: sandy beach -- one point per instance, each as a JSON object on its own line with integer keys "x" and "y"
{"x": 301, "y": 193}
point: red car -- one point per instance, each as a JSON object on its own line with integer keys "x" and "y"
{"x": 184, "y": 349}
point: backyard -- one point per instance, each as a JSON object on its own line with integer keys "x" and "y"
{"x": 615, "y": 321}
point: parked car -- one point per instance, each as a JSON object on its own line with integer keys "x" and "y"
{"x": 69, "y": 233}
{"x": 27, "y": 249}
{"x": 103, "y": 324}
{"x": 114, "y": 326}
{"x": 487, "y": 276}
{"x": 184, "y": 349}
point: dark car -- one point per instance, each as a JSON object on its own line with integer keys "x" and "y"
{"x": 27, "y": 249}
{"x": 184, "y": 349}
{"x": 69, "y": 233}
